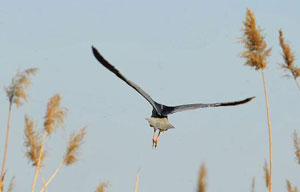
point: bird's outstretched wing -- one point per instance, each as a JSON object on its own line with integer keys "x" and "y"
{"x": 110, "y": 67}
{"x": 167, "y": 110}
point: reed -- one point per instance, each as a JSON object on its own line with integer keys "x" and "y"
{"x": 289, "y": 58}
{"x": 71, "y": 155}
{"x": 290, "y": 188}
{"x": 253, "y": 185}
{"x": 32, "y": 142}
{"x": 256, "y": 54}
{"x": 11, "y": 185}
{"x": 53, "y": 120}
{"x": 16, "y": 93}
{"x": 137, "y": 181}
{"x": 202, "y": 179}
{"x": 296, "y": 140}
{"x": 102, "y": 187}
{"x": 267, "y": 174}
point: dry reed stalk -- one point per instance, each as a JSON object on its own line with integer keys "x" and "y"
{"x": 43, "y": 180}
{"x": 290, "y": 187}
{"x": 256, "y": 54}
{"x": 137, "y": 181}
{"x": 15, "y": 93}
{"x": 53, "y": 120}
{"x": 33, "y": 144}
{"x": 71, "y": 155}
{"x": 102, "y": 187}
{"x": 37, "y": 169}
{"x": 202, "y": 179}
{"x": 296, "y": 140}
{"x": 289, "y": 58}
{"x": 52, "y": 176}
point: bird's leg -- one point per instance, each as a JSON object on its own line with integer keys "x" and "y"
{"x": 157, "y": 139}
{"x": 153, "y": 139}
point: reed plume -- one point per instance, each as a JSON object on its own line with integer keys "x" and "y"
{"x": 16, "y": 92}
{"x": 290, "y": 188}
{"x": 53, "y": 120}
{"x": 75, "y": 141}
{"x": 253, "y": 185}
{"x": 71, "y": 155}
{"x": 20, "y": 82}
{"x": 32, "y": 142}
{"x": 202, "y": 179}
{"x": 55, "y": 114}
{"x": 267, "y": 174}
{"x": 296, "y": 140}
{"x": 289, "y": 58}
{"x": 11, "y": 185}
{"x": 102, "y": 187}
{"x": 256, "y": 54}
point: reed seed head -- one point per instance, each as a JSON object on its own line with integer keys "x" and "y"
{"x": 75, "y": 141}
{"x": 253, "y": 185}
{"x": 32, "y": 142}
{"x": 20, "y": 82}
{"x": 55, "y": 114}
{"x": 296, "y": 140}
{"x": 288, "y": 57}
{"x": 11, "y": 185}
{"x": 267, "y": 174}
{"x": 256, "y": 52}
{"x": 290, "y": 188}
{"x": 102, "y": 187}
{"x": 202, "y": 179}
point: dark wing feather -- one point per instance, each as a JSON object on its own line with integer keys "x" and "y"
{"x": 169, "y": 110}
{"x": 110, "y": 67}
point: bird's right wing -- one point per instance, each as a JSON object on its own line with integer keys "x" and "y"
{"x": 110, "y": 67}
{"x": 169, "y": 110}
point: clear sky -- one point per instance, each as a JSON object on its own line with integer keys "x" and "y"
{"x": 179, "y": 52}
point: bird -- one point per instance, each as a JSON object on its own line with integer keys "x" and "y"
{"x": 159, "y": 118}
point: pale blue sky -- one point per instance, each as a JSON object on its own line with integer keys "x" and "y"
{"x": 179, "y": 52}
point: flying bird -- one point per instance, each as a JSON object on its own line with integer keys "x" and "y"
{"x": 159, "y": 118}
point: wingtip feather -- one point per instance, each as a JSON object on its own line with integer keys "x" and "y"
{"x": 95, "y": 51}
{"x": 250, "y": 99}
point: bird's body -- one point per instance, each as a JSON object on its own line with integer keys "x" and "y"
{"x": 160, "y": 112}
{"x": 162, "y": 123}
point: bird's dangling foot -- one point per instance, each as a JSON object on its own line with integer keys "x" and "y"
{"x": 153, "y": 139}
{"x": 157, "y": 139}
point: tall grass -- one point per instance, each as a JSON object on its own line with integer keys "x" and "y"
{"x": 53, "y": 120}
{"x": 256, "y": 54}
{"x": 16, "y": 93}
{"x": 71, "y": 155}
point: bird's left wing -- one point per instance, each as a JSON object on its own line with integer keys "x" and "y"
{"x": 110, "y": 67}
{"x": 169, "y": 110}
